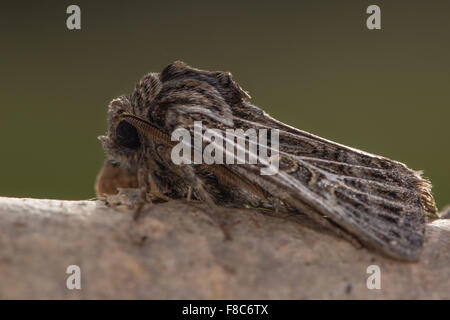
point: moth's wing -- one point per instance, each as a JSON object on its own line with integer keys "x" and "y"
{"x": 378, "y": 200}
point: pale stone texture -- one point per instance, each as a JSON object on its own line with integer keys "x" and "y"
{"x": 176, "y": 250}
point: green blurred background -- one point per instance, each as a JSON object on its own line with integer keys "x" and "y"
{"x": 311, "y": 64}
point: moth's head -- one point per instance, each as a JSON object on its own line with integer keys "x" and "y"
{"x": 122, "y": 142}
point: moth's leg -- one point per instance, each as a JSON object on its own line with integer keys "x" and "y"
{"x": 155, "y": 193}
{"x": 143, "y": 177}
{"x": 189, "y": 194}
{"x": 218, "y": 214}
{"x": 149, "y": 191}
{"x": 277, "y": 205}
{"x": 196, "y": 184}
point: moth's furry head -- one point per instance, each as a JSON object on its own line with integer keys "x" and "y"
{"x": 145, "y": 93}
{"x": 122, "y": 141}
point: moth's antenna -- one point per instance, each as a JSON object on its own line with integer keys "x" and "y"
{"x": 147, "y": 128}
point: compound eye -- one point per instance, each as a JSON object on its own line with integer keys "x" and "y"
{"x": 127, "y": 135}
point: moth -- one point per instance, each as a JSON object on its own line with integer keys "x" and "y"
{"x": 380, "y": 202}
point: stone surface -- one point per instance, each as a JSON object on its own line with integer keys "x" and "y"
{"x": 177, "y": 250}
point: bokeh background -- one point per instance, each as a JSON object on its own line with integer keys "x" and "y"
{"x": 311, "y": 64}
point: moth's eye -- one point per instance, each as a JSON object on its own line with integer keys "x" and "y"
{"x": 127, "y": 135}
